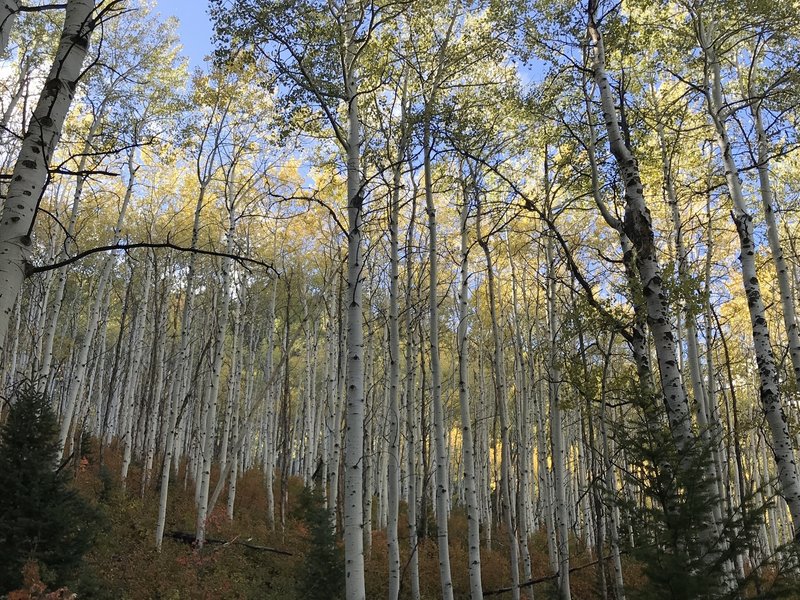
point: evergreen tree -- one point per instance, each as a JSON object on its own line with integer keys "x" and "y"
{"x": 41, "y": 518}
{"x": 671, "y": 527}
{"x": 322, "y": 577}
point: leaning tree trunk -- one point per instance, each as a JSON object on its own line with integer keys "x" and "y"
{"x": 30, "y": 173}
{"x": 8, "y": 14}
{"x": 770, "y": 394}
{"x": 781, "y": 268}
{"x": 639, "y": 229}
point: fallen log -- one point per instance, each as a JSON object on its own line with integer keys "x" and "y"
{"x": 533, "y": 582}
{"x": 191, "y": 539}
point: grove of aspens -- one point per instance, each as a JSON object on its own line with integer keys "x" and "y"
{"x": 400, "y": 299}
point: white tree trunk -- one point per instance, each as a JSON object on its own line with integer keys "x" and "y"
{"x": 210, "y": 421}
{"x": 393, "y": 409}
{"x": 441, "y": 474}
{"x": 8, "y": 14}
{"x": 137, "y": 348}
{"x": 30, "y": 173}
{"x": 411, "y": 411}
{"x": 79, "y": 373}
{"x": 502, "y": 410}
{"x": 770, "y": 394}
{"x": 559, "y": 455}
{"x": 55, "y": 311}
{"x": 182, "y": 368}
{"x": 354, "y": 415}
{"x": 468, "y": 460}
{"x": 639, "y": 230}
{"x": 781, "y": 268}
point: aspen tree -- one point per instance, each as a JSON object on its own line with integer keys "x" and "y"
{"x": 8, "y": 14}
{"x": 769, "y": 391}
{"x": 30, "y": 173}
{"x": 502, "y": 409}
{"x": 467, "y": 444}
{"x": 787, "y": 295}
{"x": 638, "y": 229}
{"x": 393, "y": 408}
{"x": 559, "y": 454}
{"x": 137, "y": 347}
{"x": 410, "y": 401}
{"x": 78, "y": 375}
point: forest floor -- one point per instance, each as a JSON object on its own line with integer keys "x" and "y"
{"x": 124, "y": 564}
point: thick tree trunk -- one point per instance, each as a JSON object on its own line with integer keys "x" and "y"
{"x": 639, "y": 230}
{"x": 8, "y": 14}
{"x": 30, "y": 173}
{"x": 354, "y": 415}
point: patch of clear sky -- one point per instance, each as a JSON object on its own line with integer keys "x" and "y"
{"x": 194, "y": 27}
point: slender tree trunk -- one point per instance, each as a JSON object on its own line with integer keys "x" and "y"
{"x": 55, "y": 311}
{"x": 502, "y": 411}
{"x": 770, "y": 394}
{"x": 79, "y": 374}
{"x": 525, "y": 515}
{"x": 441, "y": 475}
{"x": 182, "y": 369}
{"x": 559, "y": 455}
{"x": 393, "y": 412}
{"x": 137, "y": 348}
{"x": 468, "y": 460}
{"x": 781, "y": 268}
{"x": 411, "y": 411}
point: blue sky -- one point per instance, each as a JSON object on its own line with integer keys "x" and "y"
{"x": 195, "y": 27}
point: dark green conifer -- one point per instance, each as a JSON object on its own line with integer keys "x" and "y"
{"x": 322, "y": 575}
{"x": 41, "y": 518}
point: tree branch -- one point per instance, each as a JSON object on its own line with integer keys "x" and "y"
{"x": 32, "y": 270}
